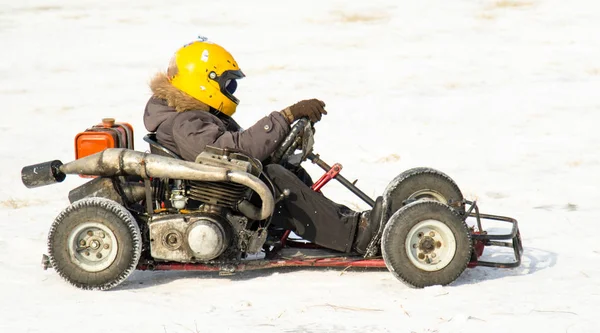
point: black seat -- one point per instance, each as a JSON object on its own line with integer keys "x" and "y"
{"x": 157, "y": 148}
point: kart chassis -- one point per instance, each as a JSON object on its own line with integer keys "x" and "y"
{"x": 273, "y": 260}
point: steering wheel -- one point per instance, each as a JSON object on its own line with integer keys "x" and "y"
{"x": 300, "y": 134}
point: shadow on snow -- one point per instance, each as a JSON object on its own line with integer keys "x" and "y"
{"x": 533, "y": 260}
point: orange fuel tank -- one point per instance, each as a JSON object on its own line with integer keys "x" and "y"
{"x": 108, "y": 134}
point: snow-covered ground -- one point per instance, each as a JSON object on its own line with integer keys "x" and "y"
{"x": 501, "y": 95}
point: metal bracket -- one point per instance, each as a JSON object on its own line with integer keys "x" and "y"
{"x": 482, "y": 239}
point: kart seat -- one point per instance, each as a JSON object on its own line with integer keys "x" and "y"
{"x": 157, "y": 148}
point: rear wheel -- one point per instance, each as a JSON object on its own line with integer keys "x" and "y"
{"x": 95, "y": 243}
{"x": 426, "y": 243}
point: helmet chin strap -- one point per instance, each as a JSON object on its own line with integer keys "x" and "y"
{"x": 216, "y": 112}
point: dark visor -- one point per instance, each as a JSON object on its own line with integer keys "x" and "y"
{"x": 228, "y": 84}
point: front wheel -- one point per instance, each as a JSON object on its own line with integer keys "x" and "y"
{"x": 422, "y": 183}
{"x": 426, "y": 243}
{"x": 95, "y": 243}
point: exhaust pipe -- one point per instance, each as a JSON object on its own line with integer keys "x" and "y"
{"x": 42, "y": 174}
{"x": 122, "y": 162}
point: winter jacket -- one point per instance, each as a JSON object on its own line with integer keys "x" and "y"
{"x": 186, "y": 126}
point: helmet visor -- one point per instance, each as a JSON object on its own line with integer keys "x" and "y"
{"x": 228, "y": 83}
{"x": 231, "y": 86}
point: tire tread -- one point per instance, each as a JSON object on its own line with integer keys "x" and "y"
{"x": 87, "y": 206}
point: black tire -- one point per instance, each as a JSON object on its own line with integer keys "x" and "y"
{"x": 411, "y": 182}
{"x": 398, "y": 230}
{"x": 94, "y": 222}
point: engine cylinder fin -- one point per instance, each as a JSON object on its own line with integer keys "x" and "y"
{"x": 214, "y": 193}
{"x": 217, "y": 193}
{"x": 214, "y": 201}
{"x": 223, "y": 185}
{"x": 212, "y": 196}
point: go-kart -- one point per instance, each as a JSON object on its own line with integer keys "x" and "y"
{"x": 154, "y": 211}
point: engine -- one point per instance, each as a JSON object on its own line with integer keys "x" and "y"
{"x": 208, "y": 222}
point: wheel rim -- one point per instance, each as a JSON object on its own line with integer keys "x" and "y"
{"x": 428, "y": 194}
{"x": 430, "y": 245}
{"x": 92, "y": 246}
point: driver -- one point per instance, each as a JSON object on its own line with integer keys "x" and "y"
{"x": 191, "y": 107}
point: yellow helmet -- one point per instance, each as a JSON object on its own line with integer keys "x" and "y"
{"x": 207, "y": 72}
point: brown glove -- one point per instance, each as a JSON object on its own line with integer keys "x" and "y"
{"x": 311, "y": 108}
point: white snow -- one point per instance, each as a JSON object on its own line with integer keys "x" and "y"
{"x": 500, "y": 95}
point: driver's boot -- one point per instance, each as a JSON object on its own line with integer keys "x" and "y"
{"x": 368, "y": 226}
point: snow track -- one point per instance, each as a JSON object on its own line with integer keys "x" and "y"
{"x": 500, "y": 95}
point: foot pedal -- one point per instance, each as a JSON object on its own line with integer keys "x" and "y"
{"x": 368, "y": 226}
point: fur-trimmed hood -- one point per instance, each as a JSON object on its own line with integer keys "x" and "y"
{"x": 177, "y": 99}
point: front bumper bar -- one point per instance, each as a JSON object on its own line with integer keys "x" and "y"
{"x": 482, "y": 239}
